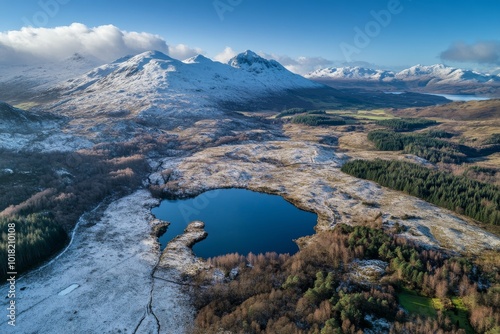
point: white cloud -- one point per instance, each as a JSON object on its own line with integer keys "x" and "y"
{"x": 104, "y": 43}
{"x": 182, "y": 51}
{"x": 225, "y": 55}
{"x": 300, "y": 65}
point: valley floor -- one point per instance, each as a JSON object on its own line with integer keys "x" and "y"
{"x": 122, "y": 283}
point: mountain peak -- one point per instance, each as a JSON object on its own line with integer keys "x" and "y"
{"x": 139, "y": 62}
{"x": 251, "y": 61}
{"x": 198, "y": 59}
{"x": 247, "y": 57}
{"x": 250, "y": 53}
{"x": 77, "y": 57}
{"x": 150, "y": 55}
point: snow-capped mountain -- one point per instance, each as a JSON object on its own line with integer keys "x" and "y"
{"x": 430, "y": 79}
{"x": 24, "y": 82}
{"x": 435, "y": 73}
{"x": 157, "y": 85}
{"x": 155, "y": 80}
{"x": 443, "y": 74}
{"x": 351, "y": 73}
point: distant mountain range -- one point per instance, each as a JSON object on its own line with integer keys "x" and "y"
{"x": 430, "y": 79}
{"x": 151, "y": 91}
{"x": 154, "y": 84}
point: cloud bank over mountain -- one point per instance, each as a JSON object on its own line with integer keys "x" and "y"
{"x": 103, "y": 43}
{"x": 225, "y": 55}
{"x": 300, "y": 65}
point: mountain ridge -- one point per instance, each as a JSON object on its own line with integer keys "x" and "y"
{"x": 155, "y": 80}
{"x": 437, "y": 78}
{"x": 436, "y": 71}
{"x": 156, "y": 84}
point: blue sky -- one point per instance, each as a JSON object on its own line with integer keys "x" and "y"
{"x": 417, "y": 31}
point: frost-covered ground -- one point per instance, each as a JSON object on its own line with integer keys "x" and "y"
{"x": 113, "y": 279}
{"x": 58, "y": 141}
{"x": 103, "y": 282}
{"x": 308, "y": 175}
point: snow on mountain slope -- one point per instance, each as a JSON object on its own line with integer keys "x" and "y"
{"x": 21, "y": 121}
{"x": 155, "y": 80}
{"x": 31, "y": 131}
{"x": 443, "y": 74}
{"x": 269, "y": 72}
{"x": 351, "y": 73}
{"x": 434, "y": 74}
{"x": 19, "y": 83}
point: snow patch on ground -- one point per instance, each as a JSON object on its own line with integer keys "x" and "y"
{"x": 103, "y": 282}
{"x": 68, "y": 290}
{"x": 379, "y": 325}
{"x": 57, "y": 142}
{"x": 367, "y": 271}
{"x": 16, "y": 141}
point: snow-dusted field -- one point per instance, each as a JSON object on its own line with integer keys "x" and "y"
{"x": 59, "y": 142}
{"x": 309, "y": 176}
{"x": 103, "y": 282}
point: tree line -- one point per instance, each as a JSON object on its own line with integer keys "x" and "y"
{"x": 429, "y": 145}
{"x": 37, "y": 236}
{"x": 291, "y": 111}
{"x": 406, "y": 124}
{"x": 477, "y": 200}
{"x": 422, "y": 145}
{"x": 316, "y": 120}
{"x": 311, "y": 117}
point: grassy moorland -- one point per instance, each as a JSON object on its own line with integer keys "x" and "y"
{"x": 431, "y": 307}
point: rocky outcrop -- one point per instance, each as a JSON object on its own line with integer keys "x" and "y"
{"x": 178, "y": 254}
{"x": 158, "y": 227}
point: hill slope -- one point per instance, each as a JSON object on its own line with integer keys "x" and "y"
{"x": 466, "y": 111}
